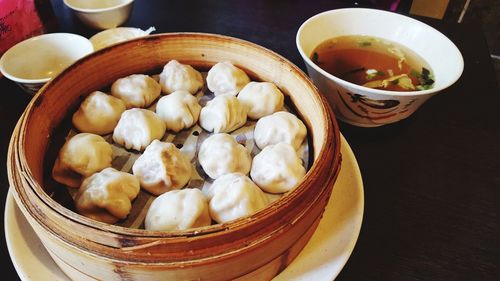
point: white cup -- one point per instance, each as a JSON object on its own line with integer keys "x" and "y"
{"x": 33, "y": 62}
{"x": 101, "y": 14}
{"x": 367, "y": 107}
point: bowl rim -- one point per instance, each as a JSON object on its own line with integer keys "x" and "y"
{"x": 99, "y": 10}
{"x": 233, "y": 225}
{"x": 84, "y": 42}
{"x": 340, "y": 81}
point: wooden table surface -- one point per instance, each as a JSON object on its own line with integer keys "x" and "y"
{"x": 431, "y": 182}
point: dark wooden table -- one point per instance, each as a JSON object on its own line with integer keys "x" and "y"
{"x": 431, "y": 182}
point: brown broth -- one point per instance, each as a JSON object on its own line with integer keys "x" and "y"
{"x": 373, "y": 62}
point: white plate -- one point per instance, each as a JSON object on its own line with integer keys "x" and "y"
{"x": 322, "y": 258}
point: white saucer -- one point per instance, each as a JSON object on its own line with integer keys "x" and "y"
{"x": 322, "y": 258}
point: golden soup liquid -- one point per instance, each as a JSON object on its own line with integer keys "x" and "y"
{"x": 373, "y": 62}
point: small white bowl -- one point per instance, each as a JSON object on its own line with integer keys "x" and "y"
{"x": 33, "y": 62}
{"x": 367, "y": 107}
{"x": 101, "y": 14}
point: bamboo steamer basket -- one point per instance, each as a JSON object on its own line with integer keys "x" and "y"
{"x": 253, "y": 248}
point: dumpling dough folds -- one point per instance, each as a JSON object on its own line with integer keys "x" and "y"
{"x": 261, "y": 98}
{"x": 136, "y": 90}
{"x": 178, "y": 210}
{"x": 278, "y": 127}
{"x": 179, "y": 110}
{"x": 277, "y": 168}
{"x": 162, "y": 167}
{"x": 220, "y": 154}
{"x": 225, "y": 78}
{"x": 81, "y": 156}
{"x": 115, "y": 35}
{"x": 234, "y": 196}
{"x": 137, "y": 128}
{"x": 107, "y": 196}
{"x": 177, "y": 76}
{"x": 223, "y": 114}
{"x": 98, "y": 114}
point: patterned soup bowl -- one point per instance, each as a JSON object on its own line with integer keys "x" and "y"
{"x": 371, "y": 107}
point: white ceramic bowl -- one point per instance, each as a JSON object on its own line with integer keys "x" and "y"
{"x": 369, "y": 107}
{"x": 33, "y": 62}
{"x": 101, "y": 14}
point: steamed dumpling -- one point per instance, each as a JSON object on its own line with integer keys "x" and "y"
{"x": 220, "y": 154}
{"x": 136, "y": 90}
{"x": 178, "y": 210}
{"x": 98, "y": 114}
{"x": 107, "y": 196}
{"x": 234, "y": 196}
{"x": 115, "y": 35}
{"x": 179, "y": 110}
{"x": 225, "y": 78}
{"x": 277, "y": 168}
{"x": 261, "y": 98}
{"x": 81, "y": 156}
{"x": 177, "y": 76}
{"x": 278, "y": 127}
{"x": 223, "y": 114}
{"x": 137, "y": 128}
{"x": 162, "y": 167}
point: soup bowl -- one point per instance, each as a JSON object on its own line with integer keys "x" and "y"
{"x": 369, "y": 107}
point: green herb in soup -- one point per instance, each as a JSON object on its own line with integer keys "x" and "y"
{"x": 373, "y": 63}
